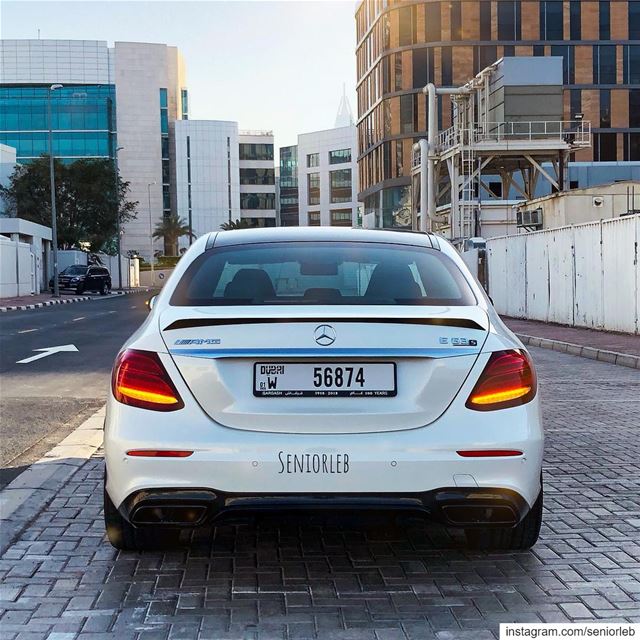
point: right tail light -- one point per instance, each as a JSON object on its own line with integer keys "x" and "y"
{"x": 508, "y": 380}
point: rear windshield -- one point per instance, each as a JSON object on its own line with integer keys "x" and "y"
{"x": 75, "y": 270}
{"x": 327, "y": 273}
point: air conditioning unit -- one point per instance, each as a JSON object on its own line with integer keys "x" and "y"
{"x": 529, "y": 219}
{"x": 598, "y": 201}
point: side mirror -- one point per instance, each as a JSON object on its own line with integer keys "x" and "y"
{"x": 150, "y": 302}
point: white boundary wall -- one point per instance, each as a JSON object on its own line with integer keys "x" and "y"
{"x": 585, "y": 275}
{"x": 16, "y": 260}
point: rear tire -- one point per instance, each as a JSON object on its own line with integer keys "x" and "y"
{"x": 124, "y": 536}
{"x": 522, "y": 537}
{"x": 104, "y": 289}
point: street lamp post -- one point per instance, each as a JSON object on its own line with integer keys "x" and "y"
{"x": 153, "y": 275}
{"x": 54, "y": 215}
{"x": 117, "y": 193}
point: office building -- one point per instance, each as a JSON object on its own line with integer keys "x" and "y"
{"x": 257, "y": 178}
{"x": 288, "y": 187}
{"x": 405, "y": 44}
{"x": 124, "y": 96}
{"x": 223, "y": 175}
{"x": 327, "y": 177}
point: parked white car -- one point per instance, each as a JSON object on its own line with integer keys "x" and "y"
{"x": 323, "y": 368}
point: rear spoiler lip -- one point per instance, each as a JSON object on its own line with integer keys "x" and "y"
{"x": 189, "y": 323}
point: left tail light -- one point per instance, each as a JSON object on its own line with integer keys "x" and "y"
{"x": 140, "y": 380}
{"x": 508, "y": 380}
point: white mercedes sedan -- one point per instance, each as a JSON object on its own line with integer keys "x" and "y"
{"x": 323, "y": 368}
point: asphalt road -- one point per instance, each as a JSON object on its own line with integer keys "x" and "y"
{"x": 43, "y": 400}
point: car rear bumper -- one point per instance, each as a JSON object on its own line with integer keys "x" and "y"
{"x": 243, "y": 466}
{"x": 453, "y": 506}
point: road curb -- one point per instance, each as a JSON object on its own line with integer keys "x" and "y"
{"x": 22, "y": 500}
{"x": 612, "y": 357}
{"x": 49, "y": 303}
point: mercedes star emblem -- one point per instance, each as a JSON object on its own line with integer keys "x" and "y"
{"x": 325, "y": 335}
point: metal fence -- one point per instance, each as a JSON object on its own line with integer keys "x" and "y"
{"x": 585, "y": 275}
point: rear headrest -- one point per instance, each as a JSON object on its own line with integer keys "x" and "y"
{"x": 393, "y": 281}
{"x": 250, "y": 284}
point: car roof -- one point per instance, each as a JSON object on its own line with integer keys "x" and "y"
{"x": 320, "y": 234}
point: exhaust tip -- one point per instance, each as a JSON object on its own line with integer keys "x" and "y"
{"x": 462, "y": 515}
{"x": 183, "y": 515}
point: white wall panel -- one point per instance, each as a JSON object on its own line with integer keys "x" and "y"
{"x": 619, "y": 268}
{"x": 585, "y": 275}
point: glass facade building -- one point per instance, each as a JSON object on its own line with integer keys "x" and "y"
{"x": 82, "y": 120}
{"x": 405, "y": 44}
{"x": 288, "y": 199}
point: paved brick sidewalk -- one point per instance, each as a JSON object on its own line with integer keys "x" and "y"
{"x": 618, "y": 342}
{"x": 356, "y": 578}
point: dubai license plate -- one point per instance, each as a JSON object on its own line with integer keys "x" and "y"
{"x": 324, "y": 379}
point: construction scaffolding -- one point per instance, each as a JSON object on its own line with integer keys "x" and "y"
{"x": 507, "y": 122}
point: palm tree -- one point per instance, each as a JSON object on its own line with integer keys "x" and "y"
{"x": 172, "y": 228}
{"x": 242, "y": 223}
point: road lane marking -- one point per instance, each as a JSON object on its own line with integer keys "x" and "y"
{"x": 80, "y": 318}
{"x": 48, "y": 351}
{"x": 27, "y": 330}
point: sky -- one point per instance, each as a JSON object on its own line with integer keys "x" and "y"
{"x": 279, "y": 66}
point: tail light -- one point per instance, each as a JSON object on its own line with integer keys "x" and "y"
{"x": 508, "y": 380}
{"x": 140, "y": 380}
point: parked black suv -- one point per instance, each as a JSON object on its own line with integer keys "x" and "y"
{"x": 80, "y": 279}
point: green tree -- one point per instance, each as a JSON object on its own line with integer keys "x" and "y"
{"x": 171, "y": 229}
{"x": 241, "y": 223}
{"x": 85, "y": 200}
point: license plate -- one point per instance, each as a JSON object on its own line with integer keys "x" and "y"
{"x": 324, "y": 379}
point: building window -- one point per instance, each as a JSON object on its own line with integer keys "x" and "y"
{"x": 406, "y": 113}
{"x": 341, "y": 218}
{"x": 447, "y": 67}
{"x": 551, "y": 20}
{"x": 340, "y": 156}
{"x": 575, "y": 20}
{"x": 407, "y": 25}
{"x": 166, "y": 199}
{"x": 340, "y": 185}
{"x": 313, "y": 160}
{"x": 538, "y": 50}
{"x": 257, "y": 176}
{"x": 455, "y": 7}
{"x": 314, "y": 218}
{"x": 484, "y": 56}
{"x": 605, "y": 147}
{"x": 604, "y": 64}
{"x": 566, "y": 52}
{"x": 397, "y": 67}
{"x": 605, "y": 20}
{"x": 605, "y": 108}
{"x": 634, "y": 147}
{"x": 420, "y": 77}
{"x": 485, "y": 20}
{"x": 164, "y": 112}
{"x": 508, "y": 20}
{"x": 432, "y": 22}
{"x": 184, "y": 100}
{"x": 634, "y": 19}
{"x": 251, "y": 151}
{"x": 632, "y": 64}
{"x": 257, "y": 200}
{"x": 575, "y": 102}
{"x": 313, "y": 188}
{"x": 634, "y": 109}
